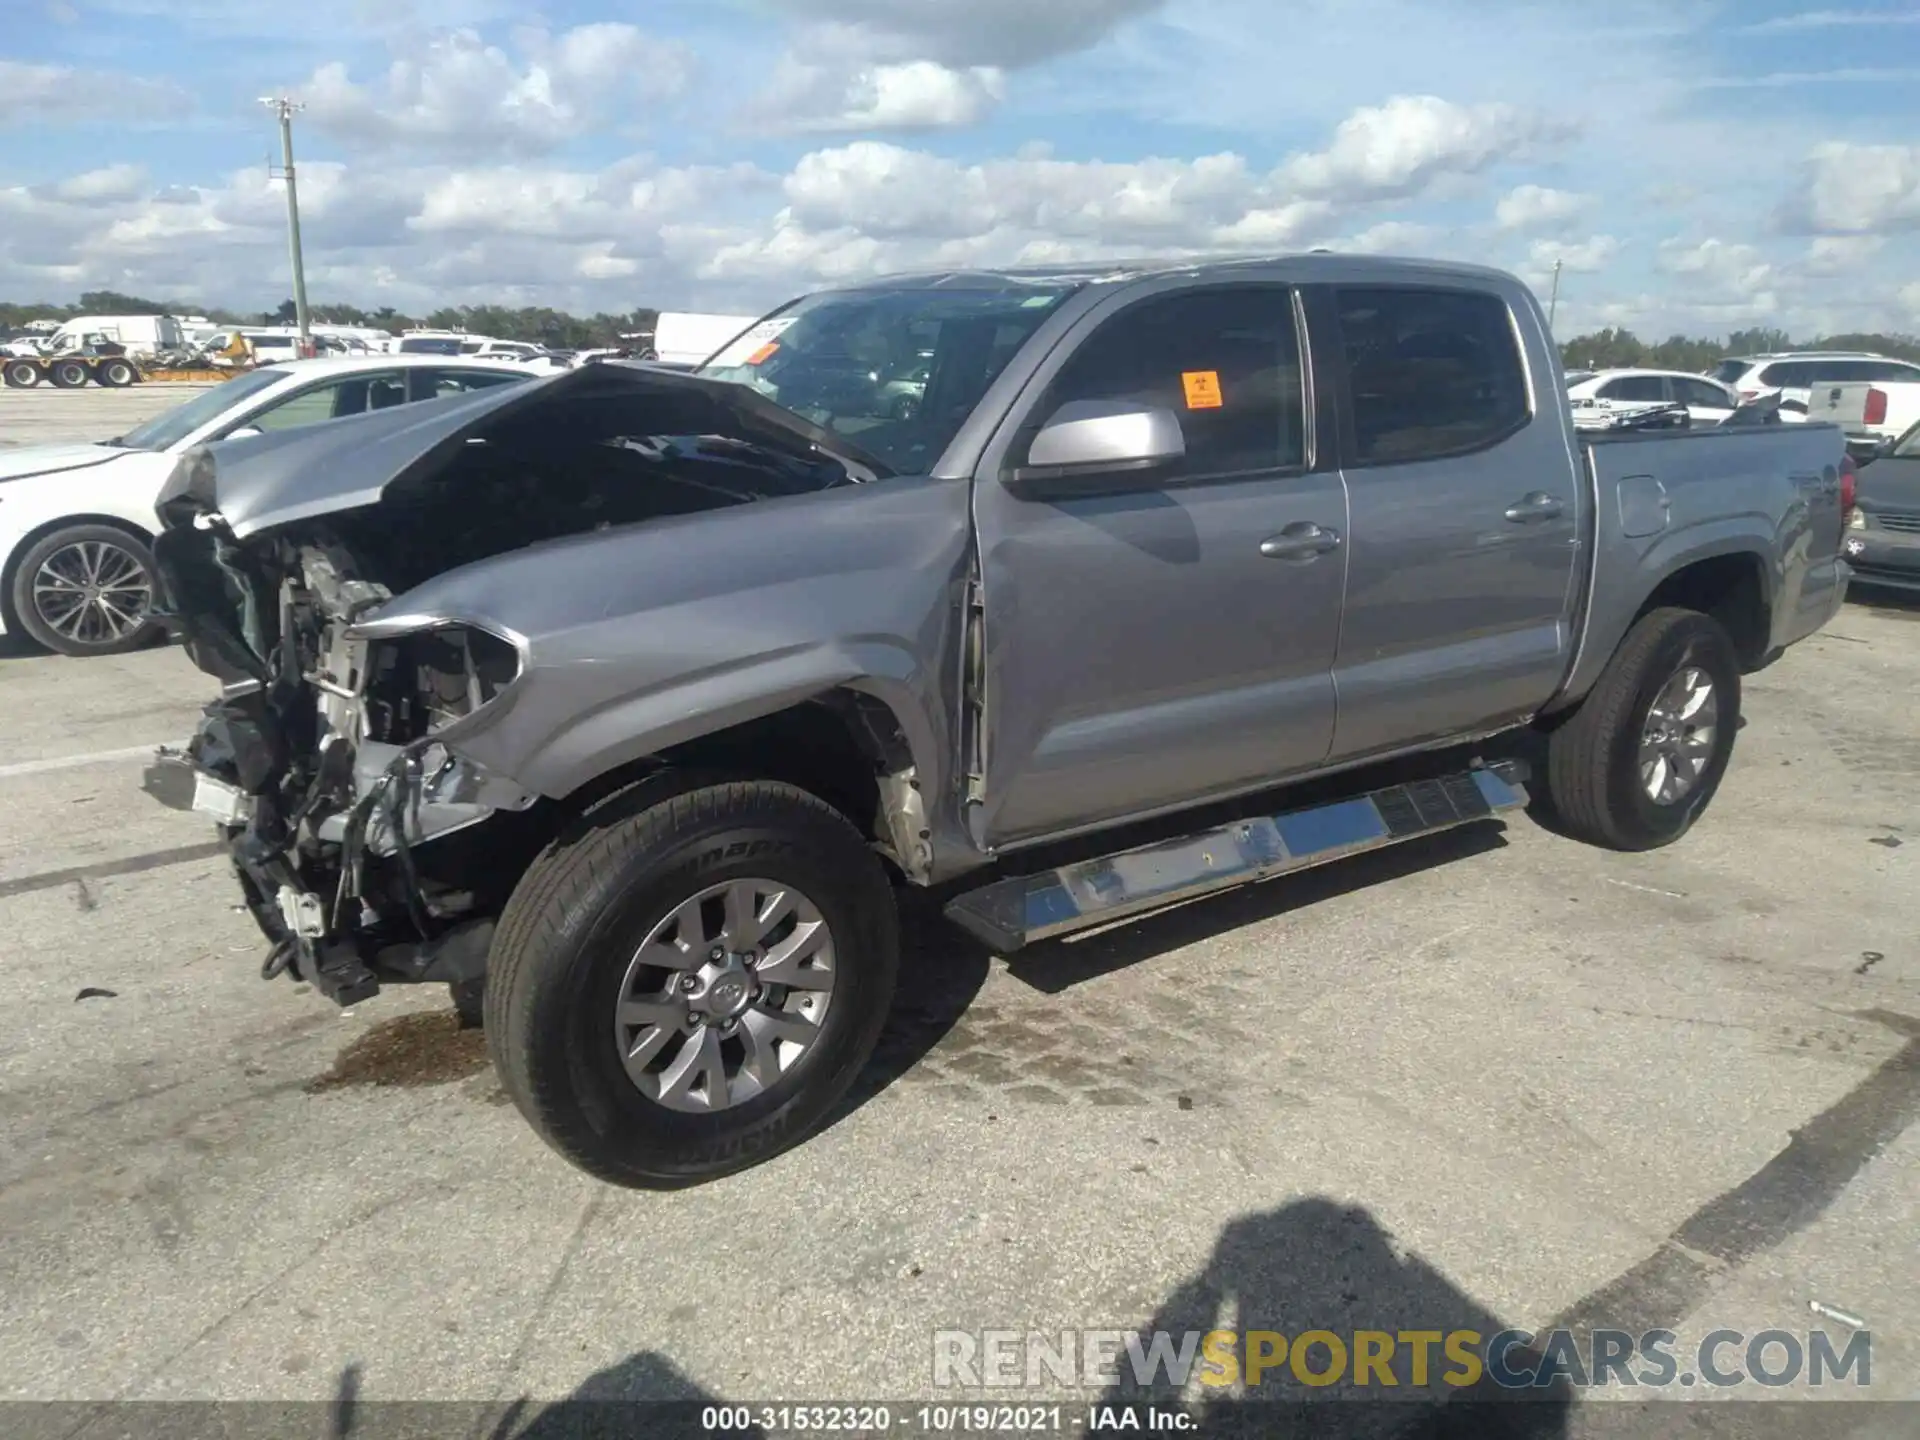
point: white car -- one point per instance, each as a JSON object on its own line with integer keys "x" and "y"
{"x": 1606, "y": 393}
{"x": 1793, "y": 374}
{"x": 75, "y": 520}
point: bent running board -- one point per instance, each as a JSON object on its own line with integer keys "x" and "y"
{"x": 1009, "y": 914}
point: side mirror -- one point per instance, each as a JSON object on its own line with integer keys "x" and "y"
{"x": 1096, "y": 440}
{"x": 242, "y": 433}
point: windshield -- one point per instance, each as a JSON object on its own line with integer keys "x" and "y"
{"x": 172, "y": 426}
{"x": 895, "y": 371}
{"x": 1907, "y": 447}
{"x": 429, "y": 345}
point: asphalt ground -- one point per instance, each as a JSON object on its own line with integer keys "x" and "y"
{"x": 44, "y": 415}
{"x": 1490, "y": 1079}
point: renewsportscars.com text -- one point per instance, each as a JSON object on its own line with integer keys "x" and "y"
{"x": 1411, "y": 1359}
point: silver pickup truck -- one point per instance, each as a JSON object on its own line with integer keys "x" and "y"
{"x": 624, "y": 701}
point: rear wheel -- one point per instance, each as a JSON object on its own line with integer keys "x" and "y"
{"x": 1638, "y": 762}
{"x": 685, "y": 986}
{"x": 69, "y": 374}
{"x": 86, "y": 590}
{"x": 116, "y": 373}
{"x": 22, "y": 374}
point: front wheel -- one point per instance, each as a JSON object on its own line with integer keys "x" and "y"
{"x": 687, "y": 984}
{"x": 116, "y": 374}
{"x": 1637, "y": 763}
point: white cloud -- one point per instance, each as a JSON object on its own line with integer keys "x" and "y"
{"x": 1538, "y": 207}
{"x": 1848, "y": 189}
{"x": 1910, "y": 298}
{"x": 1399, "y": 237}
{"x": 110, "y": 185}
{"x": 458, "y": 94}
{"x": 910, "y": 95}
{"x": 62, "y": 95}
{"x": 1400, "y": 148}
{"x": 1831, "y": 20}
{"x": 875, "y": 65}
{"x": 891, "y": 192}
{"x": 1720, "y": 272}
{"x": 1582, "y": 257}
{"x": 1841, "y": 254}
{"x": 1003, "y": 33}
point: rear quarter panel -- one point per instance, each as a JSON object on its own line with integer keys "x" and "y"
{"x": 1663, "y": 503}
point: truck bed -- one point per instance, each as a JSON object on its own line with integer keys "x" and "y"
{"x": 1659, "y": 500}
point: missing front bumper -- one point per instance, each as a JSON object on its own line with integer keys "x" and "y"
{"x": 177, "y": 783}
{"x": 346, "y": 965}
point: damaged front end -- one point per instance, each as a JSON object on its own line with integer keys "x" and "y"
{"x": 369, "y": 846}
{"x": 325, "y": 763}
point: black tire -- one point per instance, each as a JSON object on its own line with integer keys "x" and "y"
{"x": 115, "y": 373}
{"x": 69, "y": 374}
{"x": 1594, "y": 789}
{"x": 22, "y": 374}
{"x": 24, "y": 606}
{"x": 559, "y": 961}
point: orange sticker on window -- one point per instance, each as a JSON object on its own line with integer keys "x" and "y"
{"x": 1203, "y": 389}
{"x": 763, "y": 354}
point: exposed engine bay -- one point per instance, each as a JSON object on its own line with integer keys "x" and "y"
{"x": 331, "y": 760}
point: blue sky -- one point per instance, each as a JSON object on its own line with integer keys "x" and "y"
{"x": 1692, "y": 166}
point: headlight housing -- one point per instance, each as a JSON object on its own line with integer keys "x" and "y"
{"x": 420, "y": 683}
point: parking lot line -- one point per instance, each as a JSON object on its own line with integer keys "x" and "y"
{"x": 72, "y": 762}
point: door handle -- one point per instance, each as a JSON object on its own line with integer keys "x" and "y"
{"x": 1537, "y": 506}
{"x": 1302, "y": 540}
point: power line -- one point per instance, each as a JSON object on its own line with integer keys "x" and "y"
{"x": 285, "y": 108}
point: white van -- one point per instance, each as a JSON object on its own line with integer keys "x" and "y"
{"x": 141, "y": 334}
{"x": 684, "y": 339}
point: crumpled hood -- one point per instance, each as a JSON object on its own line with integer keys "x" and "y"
{"x": 265, "y": 481}
{"x": 19, "y": 462}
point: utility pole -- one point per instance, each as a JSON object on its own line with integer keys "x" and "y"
{"x": 284, "y": 108}
{"x": 1553, "y": 304}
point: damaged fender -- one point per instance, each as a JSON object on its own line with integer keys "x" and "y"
{"x": 431, "y": 616}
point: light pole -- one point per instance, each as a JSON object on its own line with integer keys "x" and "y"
{"x": 284, "y": 108}
{"x": 1553, "y": 304}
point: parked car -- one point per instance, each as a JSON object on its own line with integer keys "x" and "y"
{"x": 623, "y": 701}
{"x": 1793, "y": 374}
{"x": 1871, "y": 415}
{"x": 76, "y": 574}
{"x": 1883, "y": 536}
{"x": 1616, "y": 392}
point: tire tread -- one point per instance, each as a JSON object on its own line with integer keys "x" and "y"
{"x": 606, "y": 839}
{"x": 1581, "y": 760}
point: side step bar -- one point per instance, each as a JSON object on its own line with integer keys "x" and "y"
{"x": 1009, "y": 914}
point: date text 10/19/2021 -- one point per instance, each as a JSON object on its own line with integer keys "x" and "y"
{"x": 944, "y": 1419}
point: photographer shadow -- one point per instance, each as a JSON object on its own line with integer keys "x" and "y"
{"x": 1319, "y": 1265}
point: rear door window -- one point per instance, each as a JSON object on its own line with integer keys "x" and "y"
{"x": 1635, "y": 387}
{"x": 1701, "y": 395}
{"x": 1787, "y": 375}
{"x": 1430, "y": 373}
{"x": 1892, "y": 372}
{"x": 350, "y": 395}
{"x": 432, "y": 384}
